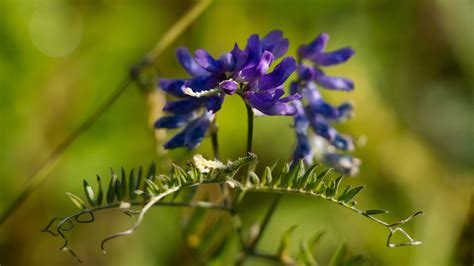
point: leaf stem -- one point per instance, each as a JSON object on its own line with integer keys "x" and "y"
{"x": 392, "y": 228}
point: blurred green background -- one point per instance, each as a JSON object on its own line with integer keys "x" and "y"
{"x": 414, "y": 76}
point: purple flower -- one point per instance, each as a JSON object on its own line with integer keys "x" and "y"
{"x": 314, "y": 52}
{"x": 239, "y": 71}
{"x": 303, "y": 149}
{"x": 343, "y": 163}
{"x": 315, "y": 113}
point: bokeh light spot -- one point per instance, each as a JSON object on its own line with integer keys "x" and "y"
{"x": 56, "y": 30}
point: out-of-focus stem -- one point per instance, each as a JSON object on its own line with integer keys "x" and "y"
{"x": 43, "y": 171}
{"x": 266, "y": 220}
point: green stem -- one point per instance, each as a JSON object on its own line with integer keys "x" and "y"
{"x": 239, "y": 194}
{"x": 215, "y": 140}
{"x": 276, "y": 200}
{"x": 249, "y": 128}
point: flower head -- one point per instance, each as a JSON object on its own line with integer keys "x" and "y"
{"x": 318, "y": 115}
{"x": 239, "y": 71}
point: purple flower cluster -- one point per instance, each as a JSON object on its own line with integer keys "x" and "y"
{"x": 239, "y": 71}
{"x": 244, "y": 72}
{"x": 317, "y": 114}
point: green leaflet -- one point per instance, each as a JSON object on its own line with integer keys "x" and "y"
{"x": 283, "y": 249}
{"x": 306, "y": 254}
{"x": 111, "y": 190}
{"x": 128, "y": 187}
{"x": 77, "y": 201}
{"x": 339, "y": 256}
{"x": 100, "y": 191}
{"x": 89, "y": 193}
{"x": 132, "y": 185}
{"x": 350, "y": 193}
{"x": 295, "y": 180}
{"x": 308, "y": 175}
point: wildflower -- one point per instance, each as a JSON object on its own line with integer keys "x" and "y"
{"x": 314, "y": 53}
{"x": 242, "y": 72}
{"x": 315, "y": 113}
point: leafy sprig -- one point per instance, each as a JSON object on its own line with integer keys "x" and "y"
{"x": 146, "y": 191}
{"x": 297, "y": 180}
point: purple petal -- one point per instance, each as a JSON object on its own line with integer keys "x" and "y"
{"x": 214, "y": 103}
{"x": 272, "y": 37}
{"x": 269, "y": 104}
{"x": 275, "y": 43}
{"x": 175, "y": 121}
{"x": 176, "y": 141}
{"x": 239, "y": 56}
{"x": 196, "y": 133}
{"x": 311, "y": 93}
{"x": 279, "y": 75}
{"x": 316, "y": 46}
{"x": 303, "y": 149}
{"x": 227, "y": 61}
{"x": 251, "y": 73}
{"x": 206, "y": 61}
{"x": 229, "y": 86}
{"x": 187, "y": 61}
{"x": 254, "y": 50}
{"x": 262, "y": 100}
{"x": 301, "y": 123}
{"x": 344, "y": 164}
{"x": 202, "y": 83}
{"x": 182, "y": 107}
{"x": 345, "y": 110}
{"x": 317, "y": 105}
{"x": 326, "y": 110}
{"x": 335, "y": 83}
{"x": 305, "y": 72}
{"x": 278, "y": 108}
{"x": 291, "y": 98}
{"x": 343, "y": 142}
{"x": 265, "y": 61}
{"x": 173, "y": 86}
{"x": 333, "y": 58}
{"x": 294, "y": 87}
{"x": 320, "y": 125}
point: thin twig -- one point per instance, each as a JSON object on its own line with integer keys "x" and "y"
{"x": 43, "y": 171}
{"x": 178, "y": 28}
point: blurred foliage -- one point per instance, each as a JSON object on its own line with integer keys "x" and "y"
{"x": 414, "y": 74}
